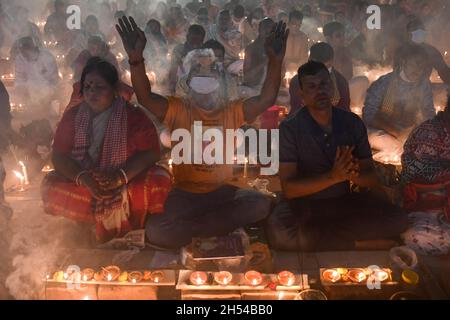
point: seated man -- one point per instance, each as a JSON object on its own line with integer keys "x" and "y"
{"x": 202, "y": 204}
{"x": 399, "y": 101}
{"x": 334, "y": 33}
{"x": 194, "y": 40}
{"x": 297, "y": 46}
{"x": 224, "y": 32}
{"x": 104, "y": 154}
{"x": 426, "y": 181}
{"x": 36, "y": 74}
{"x": 322, "y": 150}
{"x": 230, "y": 84}
{"x": 323, "y": 52}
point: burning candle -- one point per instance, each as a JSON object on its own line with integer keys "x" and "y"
{"x": 21, "y": 178}
{"x": 47, "y": 169}
{"x": 223, "y": 277}
{"x": 157, "y": 276}
{"x": 438, "y": 109}
{"x": 286, "y": 278}
{"x": 151, "y": 77}
{"x": 198, "y": 278}
{"x": 245, "y": 167}
{"x": 331, "y": 275}
{"x": 24, "y": 172}
{"x": 253, "y": 277}
{"x": 287, "y": 78}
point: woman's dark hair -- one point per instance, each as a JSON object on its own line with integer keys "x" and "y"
{"x": 104, "y": 68}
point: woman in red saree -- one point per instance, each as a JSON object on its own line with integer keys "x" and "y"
{"x": 104, "y": 154}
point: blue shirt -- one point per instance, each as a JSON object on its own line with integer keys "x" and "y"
{"x": 304, "y": 142}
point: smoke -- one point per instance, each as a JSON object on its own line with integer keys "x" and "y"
{"x": 38, "y": 245}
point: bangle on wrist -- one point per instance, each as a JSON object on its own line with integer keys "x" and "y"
{"x": 124, "y": 175}
{"x": 136, "y": 62}
{"x": 78, "y": 177}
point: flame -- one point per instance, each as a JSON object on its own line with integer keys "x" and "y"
{"x": 109, "y": 277}
{"x": 281, "y": 295}
{"x": 86, "y": 298}
{"x": 18, "y": 175}
{"x": 134, "y": 280}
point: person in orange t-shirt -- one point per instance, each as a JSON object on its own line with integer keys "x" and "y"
{"x": 201, "y": 204}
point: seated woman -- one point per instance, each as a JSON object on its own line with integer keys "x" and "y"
{"x": 104, "y": 154}
{"x": 426, "y": 179}
{"x": 399, "y": 101}
{"x": 96, "y": 48}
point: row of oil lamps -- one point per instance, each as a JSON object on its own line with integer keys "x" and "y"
{"x": 110, "y": 274}
{"x": 355, "y": 275}
{"x": 252, "y": 278}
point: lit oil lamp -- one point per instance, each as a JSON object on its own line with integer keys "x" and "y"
{"x": 253, "y": 278}
{"x": 438, "y": 109}
{"x": 157, "y": 276}
{"x": 286, "y": 278}
{"x": 8, "y": 77}
{"x": 380, "y": 275}
{"x": 331, "y": 275}
{"x": 223, "y": 277}
{"x": 111, "y": 273}
{"x": 135, "y": 277}
{"x": 198, "y": 278}
{"x": 87, "y": 274}
{"x": 47, "y": 169}
{"x": 357, "y": 275}
{"x": 242, "y": 55}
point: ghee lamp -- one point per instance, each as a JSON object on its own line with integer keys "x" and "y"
{"x": 198, "y": 278}
{"x": 331, "y": 275}
{"x": 286, "y": 278}
{"x": 357, "y": 275}
{"x": 380, "y": 275}
{"x": 254, "y": 278}
{"x": 223, "y": 277}
{"x": 157, "y": 276}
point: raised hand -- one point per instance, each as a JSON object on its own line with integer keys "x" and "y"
{"x": 275, "y": 44}
{"x": 133, "y": 38}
